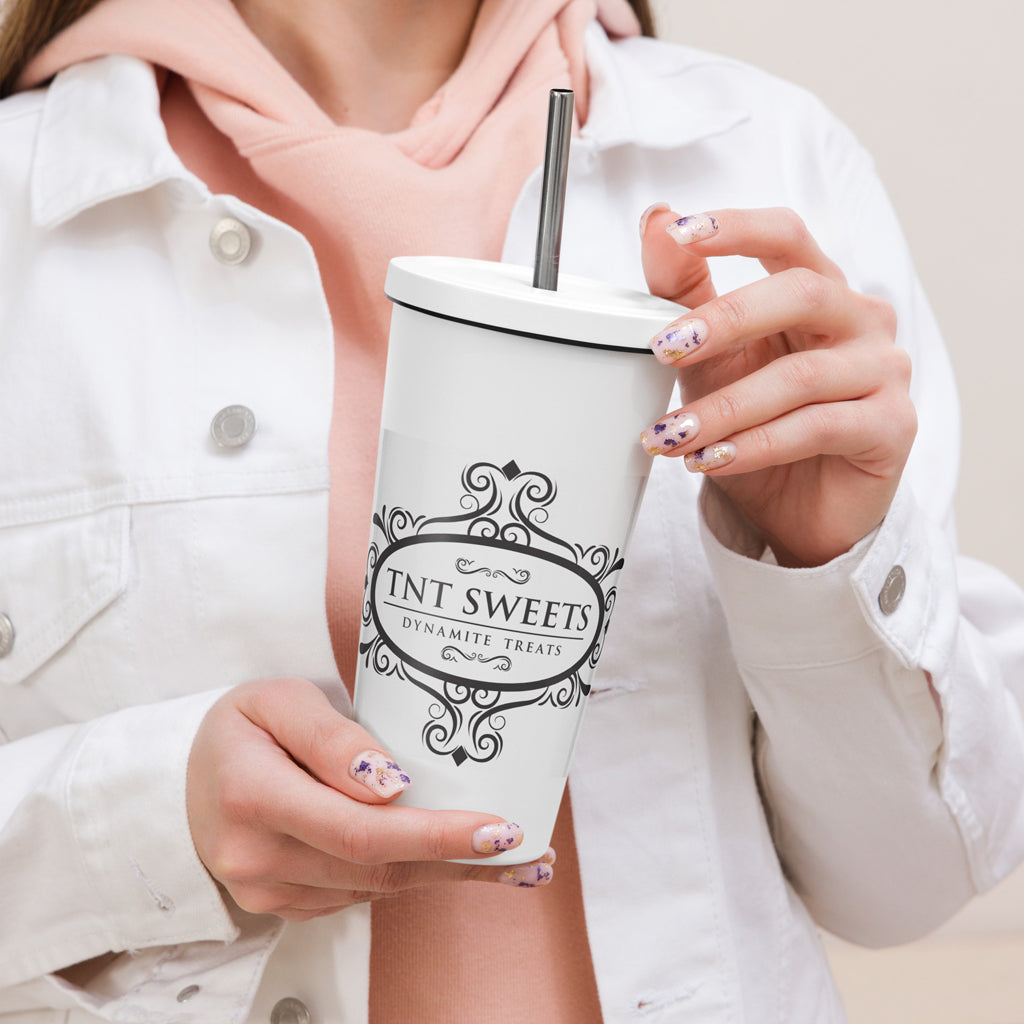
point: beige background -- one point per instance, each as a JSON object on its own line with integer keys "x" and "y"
{"x": 936, "y": 92}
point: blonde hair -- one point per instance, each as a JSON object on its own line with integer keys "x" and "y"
{"x": 26, "y": 26}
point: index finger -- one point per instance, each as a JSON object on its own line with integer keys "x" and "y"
{"x": 777, "y": 237}
{"x": 362, "y": 833}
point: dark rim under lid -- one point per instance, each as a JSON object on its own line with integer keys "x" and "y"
{"x": 501, "y": 296}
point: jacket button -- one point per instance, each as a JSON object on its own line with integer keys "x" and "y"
{"x": 187, "y": 993}
{"x": 893, "y": 589}
{"x": 230, "y": 241}
{"x": 6, "y": 635}
{"x": 290, "y": 1011}
{"x": 233, "y": 427}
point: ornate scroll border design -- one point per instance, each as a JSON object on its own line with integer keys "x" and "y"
{"x": 504, "y": 504}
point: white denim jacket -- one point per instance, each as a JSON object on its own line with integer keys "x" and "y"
{"x": 762, "y": 750}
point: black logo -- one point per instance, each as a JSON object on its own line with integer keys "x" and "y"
{"x": 485, "y": 610}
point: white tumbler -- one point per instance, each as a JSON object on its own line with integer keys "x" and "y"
{"x": 508, "y": 482}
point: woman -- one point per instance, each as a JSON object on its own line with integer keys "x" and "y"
{"x": 202, "y": 198}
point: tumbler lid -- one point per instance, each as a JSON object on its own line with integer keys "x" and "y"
{"x": 501, "y": 296}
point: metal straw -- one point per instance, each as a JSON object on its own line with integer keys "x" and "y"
{"x": 552, "y": 200}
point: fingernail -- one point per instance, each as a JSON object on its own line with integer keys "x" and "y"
{"x": 692, "y": 229}
{"x": 549, "y": 856}
{"x": 527, "y": 875}
{"x": 379, "y": 773}
{"x": 714, "y": 455}
{"x": 678, "y": 340}
{"x": 653, "y": 208}
{"x": 505, "y": 835}
{"x": 669, "y": 432}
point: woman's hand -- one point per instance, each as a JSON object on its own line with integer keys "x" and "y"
{"x": 796, "y": 397}
{"x": 288, "y": 807}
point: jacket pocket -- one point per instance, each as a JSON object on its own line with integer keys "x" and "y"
{"x": 55, "y": 577}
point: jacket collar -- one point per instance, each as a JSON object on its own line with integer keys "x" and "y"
{"x": 631, "y": 83}
{"x": 101, "y": 135}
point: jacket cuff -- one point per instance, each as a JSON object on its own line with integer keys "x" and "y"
{"x": 126, "y": 804}
{"x": 895, "y": 588}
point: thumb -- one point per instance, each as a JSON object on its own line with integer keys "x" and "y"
{"x": 334, "y": 749}
{"x": 672, "y": 271}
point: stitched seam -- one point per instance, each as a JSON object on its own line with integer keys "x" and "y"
{"x": 61, "y": 506}
{"x": 700, "y": 801}
{"x": 804, "y": 666}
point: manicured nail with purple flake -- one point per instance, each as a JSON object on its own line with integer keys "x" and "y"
{"x": 714, "y": 455}
{"x": 505, "y": 835}
{"x": 527, "y": 876}
{"x": 669, "y": 433}
{"x": 678, "y": 340}
{"x": 378, "y": 773}
{"x": 653, "y": 208}
{"x": 692, "y": 229}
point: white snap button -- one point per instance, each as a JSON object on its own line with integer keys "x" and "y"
{"x": 290, "y": 1011}
{"x": 233, "y": 426}
{"x": 893, "y": 589}
{"x": 230, "y": 241}
{"x": 6, "y": 635}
